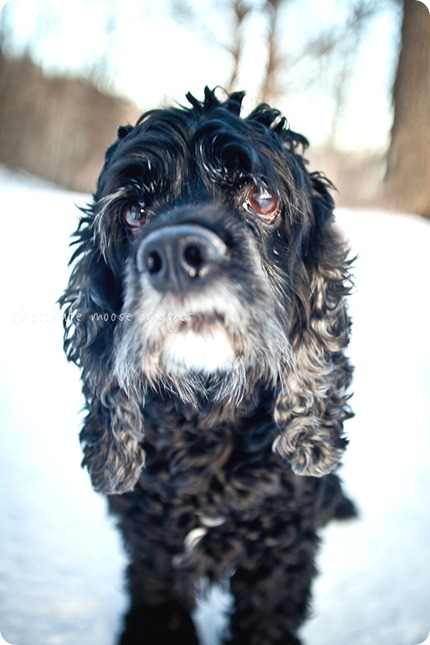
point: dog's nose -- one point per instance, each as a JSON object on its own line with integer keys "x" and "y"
{"x": 180, "y": 256}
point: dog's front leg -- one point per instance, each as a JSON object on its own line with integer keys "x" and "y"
{"x": 160, "y": 609}
{"x": 271, "y": 595}
{"x": 157, "y": 616}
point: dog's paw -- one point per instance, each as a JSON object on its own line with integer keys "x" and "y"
{"x": 168, "y": 624}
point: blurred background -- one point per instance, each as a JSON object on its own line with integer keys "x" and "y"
{"x": 352, "y": 75}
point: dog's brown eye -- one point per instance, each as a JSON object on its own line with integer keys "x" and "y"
{"x": 134, "y": 215}
{"x": 262, "y": 202}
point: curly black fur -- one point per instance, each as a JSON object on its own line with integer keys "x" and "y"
{"x": 201, "y": 454}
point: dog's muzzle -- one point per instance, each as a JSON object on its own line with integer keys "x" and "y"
{"x": 179, "y": 257}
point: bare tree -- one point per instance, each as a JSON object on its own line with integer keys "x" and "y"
{"x": 333, "y": 51}
{"x": 269, "y": 91}
{"x": 240, "y": 12}
{"x": 235, "y": 13}
{"x": 407, "y": 181}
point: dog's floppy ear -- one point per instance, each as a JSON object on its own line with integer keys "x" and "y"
{"x": 112, "y": 430}
{"x": 312, "y": 403}
{"x": 111, "y": 439}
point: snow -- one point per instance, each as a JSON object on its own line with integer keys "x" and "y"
{"x": 61, "y": 561}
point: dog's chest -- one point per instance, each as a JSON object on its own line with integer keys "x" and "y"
{"x": 205, "y": 476}
{"x": 208, "y": 491}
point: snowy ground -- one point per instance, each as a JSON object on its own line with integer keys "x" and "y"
{"x": 60, "y": 559}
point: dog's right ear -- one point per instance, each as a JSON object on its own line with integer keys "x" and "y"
{"x": 91, "y": 304}
{"x": 88, "y": 303}
{"x": 111, "y": 440}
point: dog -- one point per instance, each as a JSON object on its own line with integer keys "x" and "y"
{"x": 207, "y": 310}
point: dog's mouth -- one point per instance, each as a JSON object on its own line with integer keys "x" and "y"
{"x": 207, "y": 346}
{"x": 188, "y": 340}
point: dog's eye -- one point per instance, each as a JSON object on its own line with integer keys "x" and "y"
{"x": 261, "y": 201}
{"x": 134, "y": 215}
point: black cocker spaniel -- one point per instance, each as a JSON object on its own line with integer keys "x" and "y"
{"x": 207, "y": 310}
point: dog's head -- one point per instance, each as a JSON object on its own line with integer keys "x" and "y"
{"x": 208, "y": 267}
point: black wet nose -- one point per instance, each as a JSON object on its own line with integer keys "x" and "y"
{"x": 180, "y": 256}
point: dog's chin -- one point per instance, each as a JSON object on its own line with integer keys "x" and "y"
{"x": 206, "y": 352}
{"x": 200, "y": 366}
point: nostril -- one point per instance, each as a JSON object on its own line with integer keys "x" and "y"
{"x": 193, "y": 256}
{"x": 154, "y": 263}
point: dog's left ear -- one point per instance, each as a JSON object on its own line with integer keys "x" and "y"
{"x": 312, "y": 403}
